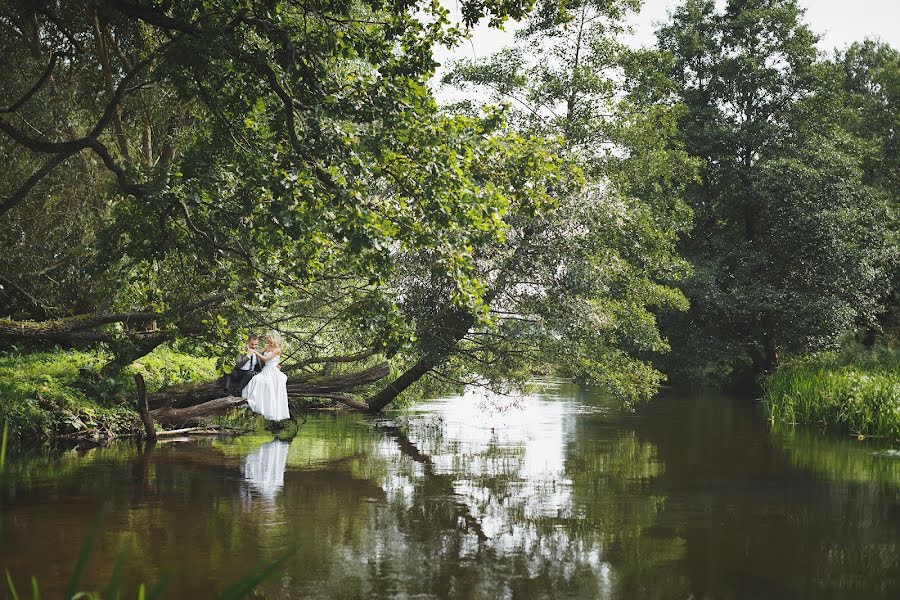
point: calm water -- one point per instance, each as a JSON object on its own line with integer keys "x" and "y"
{"x": 551, "y": 496}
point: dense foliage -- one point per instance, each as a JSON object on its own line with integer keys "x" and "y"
{"x": 592, "y": 270}
{"x": 855, "y": 391}
{"x": 794, "y": 235}
{"x": 50, "y": 394}
{"x": 182, "y": 172}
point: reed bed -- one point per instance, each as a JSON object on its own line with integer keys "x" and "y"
{"x": 857, "y": 392}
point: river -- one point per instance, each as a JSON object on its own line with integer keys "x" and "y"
{"x": 553, "y": 495}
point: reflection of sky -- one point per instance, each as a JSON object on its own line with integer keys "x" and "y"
{"x": 472, "y": 482}
{"x": 506, "y": 455}
{"x": 263, "y": 468}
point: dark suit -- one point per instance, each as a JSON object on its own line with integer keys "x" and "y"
{"x": 235, "y": 381}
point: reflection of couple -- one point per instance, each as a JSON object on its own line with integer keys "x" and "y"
{"x": 260, "y": 380}
{"x": 264, "y": 467}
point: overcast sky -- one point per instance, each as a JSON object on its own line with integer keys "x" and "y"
{"x": 839, "y": 22}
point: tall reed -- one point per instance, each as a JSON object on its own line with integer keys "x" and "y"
{"x": 855, "y": 392}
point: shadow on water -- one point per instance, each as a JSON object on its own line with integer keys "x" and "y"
{"x": 551, "y": 495}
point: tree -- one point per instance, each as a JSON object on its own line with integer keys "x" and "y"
{"x": 572, "y": 286}
{"x": 165, "y": 152}
{"x": 787, "y": 244}
{"x": 866, "y": 78}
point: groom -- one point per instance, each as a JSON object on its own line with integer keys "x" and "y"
{"x": 246, "y": 367}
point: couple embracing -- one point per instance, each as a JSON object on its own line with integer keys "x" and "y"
{"x": 257, "y": 378}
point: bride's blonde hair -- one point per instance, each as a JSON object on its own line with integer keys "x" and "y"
{"x": 273, "y": 339}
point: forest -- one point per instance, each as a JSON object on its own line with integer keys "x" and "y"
{"x": 719, "y": 208}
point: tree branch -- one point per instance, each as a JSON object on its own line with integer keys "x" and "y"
{"x": 47, "y": 72}
{"x": 64, "y": 150}
{"x": 337, "y": 359}
{"x": 19, "y": 195}
{"x": 157, "y": 19}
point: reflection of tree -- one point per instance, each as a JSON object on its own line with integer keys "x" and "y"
{"x": 611, "y": 472}
{"x": 834, "y": 458}
{"x": 192, "y": 523}
{"x": 460, "y": 519}
{"x": 754, "y": 524}
{"x": 539, "y": 536}
{"x": 687, "y": 498}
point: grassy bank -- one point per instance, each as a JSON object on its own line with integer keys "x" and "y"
{"x": 857, "y": 391}
{"x": 44, "y": 395}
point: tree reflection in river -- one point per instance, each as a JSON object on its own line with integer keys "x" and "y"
{"x": 527, "y": 504}
{"x": 558, "y": 497}
{"x": 765, "y": 515}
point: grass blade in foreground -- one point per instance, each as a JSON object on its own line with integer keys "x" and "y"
{"x": 112, "y": 592}
{"x": 83, "y": 558}
{"x": 3, "y": 448}
{"x": 258, "y": 574}
{"x": 12, "y": 586}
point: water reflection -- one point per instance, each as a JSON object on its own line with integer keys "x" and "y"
{"x": 263, "y": 468}
{"x": 859, "y": 461}
{"x": 553, "y": 496}
{"x": 524, "y": 502}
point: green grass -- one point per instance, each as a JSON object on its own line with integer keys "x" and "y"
{"x": 44, "y": 395}
{"x": 857, "y": 391}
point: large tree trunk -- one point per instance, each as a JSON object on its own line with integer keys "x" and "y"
{"x": 78, "y": 328}
{"x": 455, "y": 327}
{"x": 84, "y": 328}
{"x": 376, "y": 403}
{"x": 448, "y": 329}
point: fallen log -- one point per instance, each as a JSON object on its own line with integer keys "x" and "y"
{"x": 298, "y": 386}
{"x": 189, "y": 405}
{"x": 320, "y": 385}
{"x": 199, "y": 431}
{"x": 193, "y": 415}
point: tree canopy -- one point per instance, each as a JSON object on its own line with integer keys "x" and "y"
{"x": 182, "y": 172}
{"x": 792, "y": 239}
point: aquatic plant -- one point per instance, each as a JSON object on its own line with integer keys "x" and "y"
{"x": 854, "y": 391}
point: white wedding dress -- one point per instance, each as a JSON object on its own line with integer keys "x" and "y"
{"x": 266, "y": 393}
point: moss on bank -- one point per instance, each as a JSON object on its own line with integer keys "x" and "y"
{"x": 44, "y": 395}
{"x": 856, "y": 390}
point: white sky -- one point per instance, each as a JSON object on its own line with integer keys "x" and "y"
{"x": 839, "y": 22}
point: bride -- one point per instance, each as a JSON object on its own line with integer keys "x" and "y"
{"x": 267, "y": 392}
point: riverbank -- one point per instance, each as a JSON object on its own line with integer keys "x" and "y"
{"x": 52, "y": 394}
{"x": 856, "y": 391}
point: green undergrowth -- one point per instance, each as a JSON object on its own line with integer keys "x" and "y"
{"x": 48, "y": 394}
{"x": 856, "y": 390}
